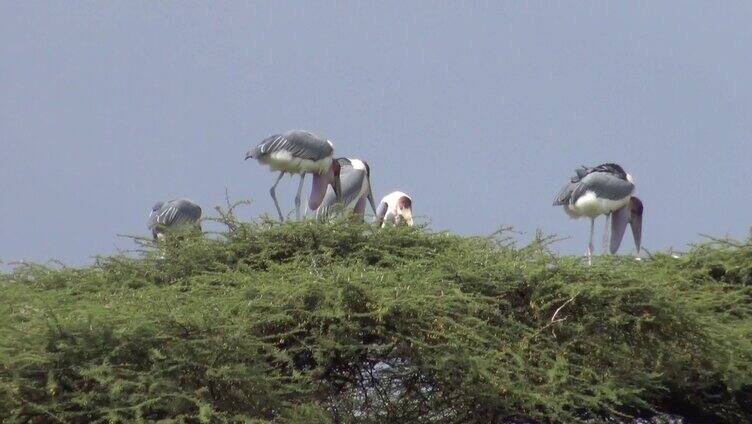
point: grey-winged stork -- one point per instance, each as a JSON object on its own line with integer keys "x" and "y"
{"x": 395, "y": 208}
{"x": 604, "y": 190}
{"x": 355, "y": 176}
{"x": 300, "y": 152}
{"x": 173, "y": 214}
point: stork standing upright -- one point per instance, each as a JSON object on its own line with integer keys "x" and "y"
{"x": 300, "y": 152}
{"x": 395, "y": 208}
{"x": 604, "y": 190}
{"x": 355, "y": 175}
{"x": 173, "y": 214}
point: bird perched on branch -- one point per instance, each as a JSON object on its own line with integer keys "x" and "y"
{"x": 395, "y": 208}
{"x": 173, "y": 214}
{"x": 604, "y": 190}
{"x": 300, "y": 152}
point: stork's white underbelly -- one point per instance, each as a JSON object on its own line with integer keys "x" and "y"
{"x": 284, "y": 161}
{"x": 591, "y": 206}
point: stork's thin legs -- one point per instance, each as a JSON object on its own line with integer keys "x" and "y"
{"x": 591, "y": 247}
{"x": 274, "y": 195}
{"x": 297, "y": 197}
{"x": 605, "y": 233}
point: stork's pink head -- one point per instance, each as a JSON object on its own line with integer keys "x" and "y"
{"x": 404, "y": 211}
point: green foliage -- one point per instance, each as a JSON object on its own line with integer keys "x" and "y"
{"x": 319, "y": 323}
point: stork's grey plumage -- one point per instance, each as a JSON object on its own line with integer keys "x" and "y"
{"x": 172, "y": 214}
{"x": 381, "y": 213}
{"x": 601, "y": 190}
{"x": 352, "y": 183}
{"x": 607, "y": 181}
{"x": 300, "y": 144}
{"x": 299, "y": 152}
{"x": 356, "y": 189}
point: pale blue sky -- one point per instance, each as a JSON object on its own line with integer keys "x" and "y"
{"x": 480, "y": 110}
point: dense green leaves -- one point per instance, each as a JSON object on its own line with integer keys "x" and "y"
{"x": 308, "y": 323}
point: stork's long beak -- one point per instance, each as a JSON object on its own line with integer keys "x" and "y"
{"x": 370, "y": 191}
{"x": 370, "y": 199}
{"x": 338, "y": 188}
{"x": 619, "y": 220}
{"x": 632, "y": 214}
{"x": 636, "y": 221}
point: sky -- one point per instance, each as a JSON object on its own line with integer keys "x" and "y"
{"x": 481, "y": 111}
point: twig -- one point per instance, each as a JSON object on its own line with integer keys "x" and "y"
{"x": 556, "y": 312}
{"x": 726, "y": 241}
{"x": 553, "y": 317}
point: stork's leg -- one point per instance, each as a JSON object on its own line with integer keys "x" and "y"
{"x": 297, "y": 197}
{"x": 274, "y": 195}
{"x": 605, "y": 233}
{"x": 591, "y": 247}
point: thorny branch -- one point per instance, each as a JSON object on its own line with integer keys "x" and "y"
{"x": 554, "y": 320}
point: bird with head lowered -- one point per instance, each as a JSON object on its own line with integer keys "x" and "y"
{"x": 604, "y": 190}
{"x": 300, "y": 152}
{"x": 171, "y": 215}
{"x": 355, "y": 175}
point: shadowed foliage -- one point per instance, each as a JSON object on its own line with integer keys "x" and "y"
{"x": 318, "y": 323}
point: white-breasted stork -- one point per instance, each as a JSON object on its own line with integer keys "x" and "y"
{"x": 604, "y": 190}
{"x": 300, "y": 152}
{"x": 395, "y": 208}
{"x": 173, "y": 214}
{"x": 355, "y": 176}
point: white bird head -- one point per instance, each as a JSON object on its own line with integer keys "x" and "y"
{"x": 404, "y": 211}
